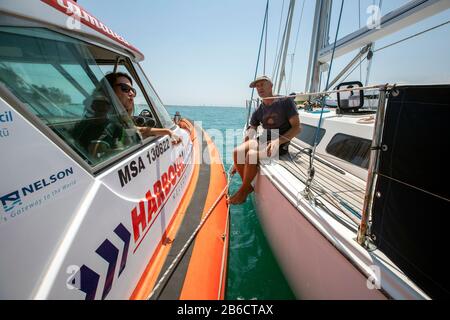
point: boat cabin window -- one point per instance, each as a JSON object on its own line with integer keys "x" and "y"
{"x": 151, "y": 101}
{"x": 351, "y": 149}
{"x": 308, "y": 134}
{"x": 140, "y": 100}
{"x": 61, "y": 81}
{"x": 163, "y": 115}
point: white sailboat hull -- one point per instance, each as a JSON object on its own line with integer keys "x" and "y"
{"x": 315, "y": 269}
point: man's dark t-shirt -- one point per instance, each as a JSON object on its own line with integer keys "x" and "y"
{"x": 275, "y": 117}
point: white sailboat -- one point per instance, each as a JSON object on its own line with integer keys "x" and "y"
{"x": 356, "y": 210}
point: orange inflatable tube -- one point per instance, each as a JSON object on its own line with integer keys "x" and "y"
{"x": 206, "y": 274}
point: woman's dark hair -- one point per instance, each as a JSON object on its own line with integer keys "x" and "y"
{"x": 112, "y": 77}
{"x": 99, "y": 94}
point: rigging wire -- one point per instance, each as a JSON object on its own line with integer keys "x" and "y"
{"x": 369, "y": 64}
{"x": 279, "y": 72}
{"x": 286, "y": 85}
{"x": 413, "y": 36}
{"x": 265, "y": 45}
{"x": 390, "y": 45}
{"x": 359, "y": 64}
{"x": 359, "y": 27}
{"x": 299, "y": 25}
{"x": 324, "y": 97}
{"x": 280, "y": 53}
{"x": 295, "y": 46}
{"x": 320, "y": 191}
{"x": 278, "y": 41}
{"x": 257, "y": 61}
{"x": 395, "y": 43}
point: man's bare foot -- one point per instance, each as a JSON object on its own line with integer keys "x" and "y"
{"x": 240, "y": 196}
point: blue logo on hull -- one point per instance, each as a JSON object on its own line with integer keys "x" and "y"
{"x": 11, "y": 200}
{"x": 6, "y": 116}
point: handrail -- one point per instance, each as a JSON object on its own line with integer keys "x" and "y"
{"x": 373, "y": 87}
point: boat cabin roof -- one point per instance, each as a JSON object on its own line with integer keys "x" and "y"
{"x": 363, "y": 119}
{"x": 66, "y": 16}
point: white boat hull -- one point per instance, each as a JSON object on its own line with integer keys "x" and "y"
{"x": 314, "y": 268}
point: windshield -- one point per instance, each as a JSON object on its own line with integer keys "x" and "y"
{"x": 59, "y": 80}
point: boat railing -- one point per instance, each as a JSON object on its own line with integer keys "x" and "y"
{"x": 329, "y": 92}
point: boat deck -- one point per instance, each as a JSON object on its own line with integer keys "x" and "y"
{"x": 330, "y": 183}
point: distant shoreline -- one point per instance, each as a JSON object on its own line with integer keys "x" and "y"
{"x": 202, "y": 106}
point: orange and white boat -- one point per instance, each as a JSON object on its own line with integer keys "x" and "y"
{"x": 87, "y": 213}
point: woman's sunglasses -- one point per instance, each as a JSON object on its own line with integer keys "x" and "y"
{"x": 126, "y": 88}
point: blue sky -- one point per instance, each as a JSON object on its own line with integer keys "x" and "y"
{"x": 203, "y": 52}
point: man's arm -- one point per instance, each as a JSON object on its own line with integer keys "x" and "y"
{"x": 293, "y": 132}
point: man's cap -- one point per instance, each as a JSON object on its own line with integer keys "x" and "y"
{"x": 261, "y": 78}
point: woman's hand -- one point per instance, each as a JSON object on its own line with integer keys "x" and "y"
{"x": 145, "y": 131}
{"x": 175, "y": 138}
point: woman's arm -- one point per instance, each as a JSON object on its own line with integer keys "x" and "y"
{"x": 146, "y": 132}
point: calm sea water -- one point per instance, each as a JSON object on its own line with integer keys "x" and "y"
{"x": 253, "y": 272}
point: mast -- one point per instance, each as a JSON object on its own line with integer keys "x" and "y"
{"x": 319, "y": 40}
{"x": 285, "y": 48}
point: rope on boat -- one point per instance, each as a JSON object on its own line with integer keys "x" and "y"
{"x": 191, "y": 238}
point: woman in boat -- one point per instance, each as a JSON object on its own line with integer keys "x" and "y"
{"x": 122, "y": 85}
{"x": 103, "y": 126}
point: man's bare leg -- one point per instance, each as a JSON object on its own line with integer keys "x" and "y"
{"x": 240, "y": 154}
{"x": 250, "y": 171}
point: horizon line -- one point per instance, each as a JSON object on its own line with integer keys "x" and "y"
{"x": 203, "y": 105}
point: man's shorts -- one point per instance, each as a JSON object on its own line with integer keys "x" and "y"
{"x": 283, "y": 149}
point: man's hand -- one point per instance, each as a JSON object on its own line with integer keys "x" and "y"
{"x": 272, "y": 147}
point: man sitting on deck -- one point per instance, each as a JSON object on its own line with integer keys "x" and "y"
{"x": 276, "y": 114}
